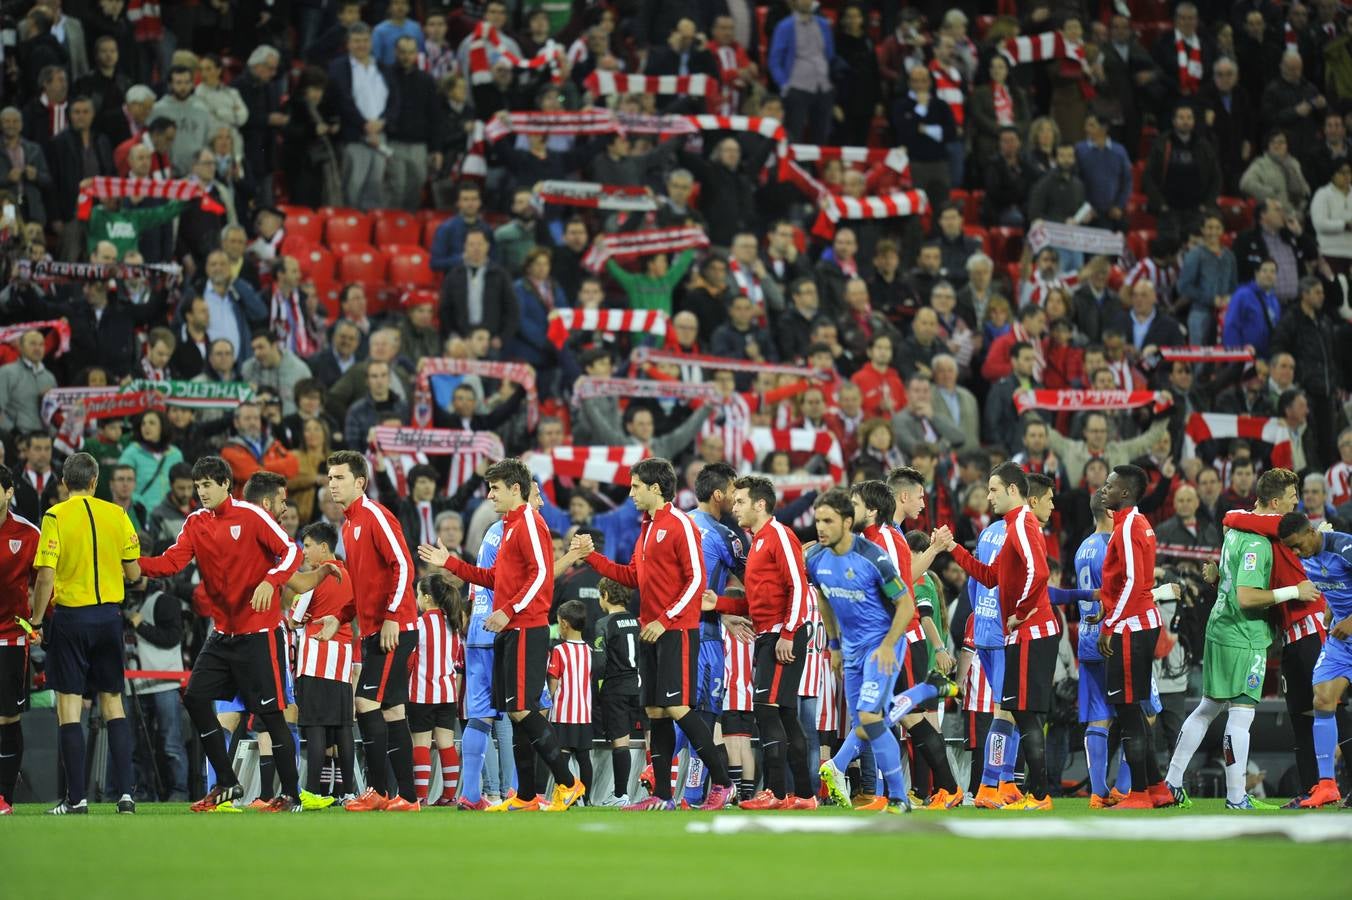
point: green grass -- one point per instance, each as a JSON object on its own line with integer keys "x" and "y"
{"x": 165, "y": 852}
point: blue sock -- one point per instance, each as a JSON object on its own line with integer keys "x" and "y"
{"x": 887, "y": 752}
{"x": 1012, "y": 754}
{"x": 849, "y": 749}
{"x": 1096, "y": 751}
{"x": 998, "y": 743}
{"x": 694, "y": 781}
{"x": 473, "y": 750}
{"x": 905, "y": 702}
{"x": 1123, "y": 771}
{"x": 1325, "y": 740}
{"x": 73, "y": 761}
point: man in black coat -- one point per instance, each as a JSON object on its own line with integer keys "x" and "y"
{"x": 1166, "y": 55}
{"x": 1308, "y": 336}
{"x": 1230, "y": 121}
{"x": 1270, "y": 221}
{"x": 103, "y": 329}
{"x": 478, "y": 294}
{"x": 684, "y": 53}
{"x": 726, "y": 192}
{"x": 1145, "y": 325}
{"x": 261, "y": 97}
{"x": 67, "y": 157}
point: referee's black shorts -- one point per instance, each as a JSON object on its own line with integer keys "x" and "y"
{"x": 85, "y": 655}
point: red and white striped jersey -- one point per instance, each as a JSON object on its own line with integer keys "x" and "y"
{"x": 570, "y": 663}
{"x": 1162, "y": 277}
{"x": 738, "y": 657}
{"x": 331, "y": 659}
{"x": 1304, "y": 627}
{"x": 832, "y": 717}
{"x": 810, "y": 684}
{"x": 1339, "y": 480}
{"x": 976, "y": 691}
{"x": 432, "y": 669}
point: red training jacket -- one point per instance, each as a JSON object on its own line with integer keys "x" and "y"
{"x": 236, "y": 545}
{"x": 1129, "y": 574}
{"x": 667, "y": 569}
{"x": 18, "y": 549}
{"x": 776, "y": 583}
{"x": 522, "y": 578}
{"x": 1296, "y": 618}
{"x": 381, "y": 567}
{"x": 1020, "y": 571}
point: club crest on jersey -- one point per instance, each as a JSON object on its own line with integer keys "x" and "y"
{"x": 661, "y": 533}
{"x": 356, "y": 532}
{"x": 1250, "y": 562}
{"x": 15, "y": 546}
{"x": 1252, "y": 680}
{"x": 234, "y": 532}
{"x": 759, "y": 541}
{"x": 508, "y": 535}
{"x": 849, "y": 574}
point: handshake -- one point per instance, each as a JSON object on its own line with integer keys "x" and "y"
{"x": 942, "y": 540}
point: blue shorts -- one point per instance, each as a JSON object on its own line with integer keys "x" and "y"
{"x": 479, "y": 683}
{"x": 709, "y": 687}
{"x": 1335, "y": 660}
{"x": 993, "y": 667}
{"x": 868, "y": 690}
{"x": 1094, "y": 706}
{"x": 236, "y": 703}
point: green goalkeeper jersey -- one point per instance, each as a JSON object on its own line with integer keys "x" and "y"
{"x": 1246, "y": 561}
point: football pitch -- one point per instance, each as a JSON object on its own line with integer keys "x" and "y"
{"x": 164, "y": 851}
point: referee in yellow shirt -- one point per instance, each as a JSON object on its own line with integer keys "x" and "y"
{"x": 87, "y": 548}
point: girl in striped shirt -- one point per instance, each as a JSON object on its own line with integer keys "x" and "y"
{"x": 570, "y": 684}
{"x": 431, "y": 692}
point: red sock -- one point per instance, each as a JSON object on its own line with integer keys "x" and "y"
{"x": 450, "y": 771}
{"x": 422, "y": 771}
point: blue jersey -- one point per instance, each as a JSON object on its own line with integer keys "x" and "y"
{"x": 988, "y": 630}
{"x": 862, "y": 587}
{"x": 1331, "y": 571}
{"x": 724, "y": 550}
{"x": 1088, "y": 577}
{"x": 482, "y": 604}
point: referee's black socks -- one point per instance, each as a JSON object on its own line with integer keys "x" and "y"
{"x": 701, "y": 737}
{"x": 120, "y": 776}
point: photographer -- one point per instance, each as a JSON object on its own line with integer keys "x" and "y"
{"x": 157, "y": 626}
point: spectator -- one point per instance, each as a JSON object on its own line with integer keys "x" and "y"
{"x": 858, "y": 84}
{"x": 1330, "y": 213}
{"x": 835, "y": 269}
{"x": 262, "y": 99}
{"x": 222, "y": 102}
{"x": 918, "y": 422}
{"x": 127, "y": 122}
{"x": 477, "y": 293}
{"x": 537, "y": 296}
{"x": 418, "y": 337}
{"x": 653, "y": 288}
{"x": 1185, "y": 528}
{"x": 1001, "y": 416}
{"x": 861, "y": 322}
{"x": 1253, "y": 312}
{"x": 1182, "y": 176}
{"x": 1093, "y": 304}
{"x": 22, "y": 384}
{"x": 924, "y": 125}
{"x": 741, "y": 338}
{"x": 234, "y": 307}
{"x": 193, "y": 342}
{"x": 1106, "y": 172}
{"x": 192, "y": 119}
{"x": 1132, "y": 79}
{"x": 1031, "y": 329}
{"x": 1075, "y": 454}
{"x": 514, "y": 240}
{"x": 347, "y": 389}
{"x": 793, "y": 331}
{"x": 1339, "y": 476}
{"x": 1072, "y": 83}
{"x": 802, "y": 53}
{"x": 102, "y": 328}
{"x": 1318, "y": 164}
{"x": 1293, "y": 411}
{"x": 1293, "y": 104}
{"x": 151, "y": 457}
{"x": 122, "y": 491}
{"x": 165, "y": 520}
{"x": 76, "y": 154}
{"x": 1148, "y": 326}
{"x": 1276, "y": 236}
{"x": 1208, "y": 279}
{"x": 220, "y": 368}
{"x": 448, "y": 242}
{"x": 1009, "y": 179}
{"x": 727, "y": 191}
{"x": 1229, "y": 118}
{"x": 23, "y": 168}
{"x": 923, "y": 343}
{"x": 1276, "y": 175}
{"x": 954, "y": 404}
{"x": 685, "y": 52}
{"x": 107, "y": 83}
{"x": 385, "y": 37}
{"x": 252, "y": 448}
{"x": 47, "y": 115}
{"x": 1060, "y": 196}
{"x": 274, "y": 366}
{"x": 993, "y": 108}
{"x": 379, "y": 405}
{"x": 784, "y": 262}
{"x": 415, "y": 126}
{"x": 1305, "y": 334}
{"x": 1182, "y": 54}
{"x": 955, "y": 246}
{"x": 363, "y": 91}
{"x": 342, "y": 354}
{"x": 879, "y": 384}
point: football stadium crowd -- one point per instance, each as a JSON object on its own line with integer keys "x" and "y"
{"x": 686, "y": 309}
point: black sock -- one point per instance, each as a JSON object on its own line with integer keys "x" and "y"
{"x": 347, "y": 760}
{"x": 773, "y": 748}
{"x": 541, "y": 735}
{"x": 620, "y": 766}
{"x": 283, "y": 753}
{"x": 662, "y": 746}
{"x": 317, "y": 769}
{"x": 73, "y": 761}
{"x": 202, "y": 712}
{"x": 931, "y": 746}
{"x": 701, "y": 738}
{"x": 11, "y": 758}
{"x": 735, "y": 775}
{"x": 1032, "y": 744}
{"x": 1135, "y": 742}
{"x": 267, "y": 777}
{"x": 524, "y": 754}
{"x": 375, "y": 742}
{"x": 401, "y": 757}
{"x": 121, "y": 778}
{"x": 983, "y": 728}
{"x": 1302, "y": 728}
{"x": 796, "y": 751}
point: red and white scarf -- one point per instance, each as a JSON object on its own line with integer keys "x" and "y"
{"x": 591, "y": 195}
{"x": 887, "y": 206}
{"x": 485, "y": 36}
{"x": 1196, "y": 354}
{"x": 1218, "y": 426}
{"x": 762, "y": 441}
{"x": 57, "y": 118}
{"x": 586, "y": 121}
{"x": 1021, "y": 335}
{"x": 748, "y": 284}
{"x": 1290, "y": 39}
{"x": 287, "y": 309}
{"x": 587, "y": 387}
{"x": 632, "y": 244}
{"x": 1045, "y": 47}
{"x": 731, "y": 59}
{"x": 608, "y": 84}
{"x": 894, "y": 158}
{"x": 648, "y": 356}
{"x": 948, "y": 88}
{"x": 608, "y": 465}
{"x": 563, "y": 322}
{"x": 10, "y": 334}
{"x": 438, "y": 441}
{"x": 1038, "y": 287}
{"x": 517, "y": 373}
{"x": 1189, "y": 63}
{"x": 474, "y": 164}
{"x": 107, "y": 188}
{"x": 1076, "y": 400}
{"x": 1004, "y": 104}
{"x": 51, "y": 271}
{"x": 144, "y": 16}
{"x": 1162, "y": 277}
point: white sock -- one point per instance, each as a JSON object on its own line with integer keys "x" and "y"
{"x": 1237, "y": 723}
{"x": 1190, "y": 738}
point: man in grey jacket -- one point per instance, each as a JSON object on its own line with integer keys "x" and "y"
{"x": 189, "y": 115}
{"x": 22, "y": 384}
{"x": 917, "y": 423}
{"x": 1074, "y": 454}
{"x": 274, "y": 366}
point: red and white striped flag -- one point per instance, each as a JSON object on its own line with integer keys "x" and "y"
{"x": 106, "y": 187}
{"x": 438, "y": 441}
{"x": 1198, "y": 354}
{"x": 631, "y": 244}
{"x": 608, "y": 465}
{"x": 1220, "y": 426}
{"x": 588, "y": 387}
{"x": 888, "y": 206}
{"x": 649, "y": 356}
{"x": 894, "y": 158}
{"x": 591, "y": 195}
{"x": 10, "y": 334}
{"x": 485, "y": 36}
{"x": 606, "y": 84}
{"x": 1043, "y": 47}
{"x": 762, "y": 441}
{"x": 584, "y": 121}
{"x": 563, "y": 322}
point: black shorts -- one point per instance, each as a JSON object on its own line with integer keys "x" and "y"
{"x": 1129, "y": 669}
{"x": 384, "y": 676}
{"x": 85, "y": 655}
{"x": 424, "y": 717}
{"x": 914, "y": 668}
{"x": 1030, "y": 666}
{"x": 520, "y": 657}
{"x": 620, "y": 715}
{"x": 323, "y": 701}
{"x": 772, "y": 681}
{"x": 13, "y": 681}
{"x": 574, "y": 736}
{"x": 1298, "y": 661}
{"x": 739, "y": 723}
{"x": 667, "y": 669}
{"x": 250, "y": 666}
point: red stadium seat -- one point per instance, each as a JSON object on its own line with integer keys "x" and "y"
{"x": 1138, "y": 176}
{"x": 317, "y": 262}
{"x": 1138, "y": 242}
{"x": 410, "y": 267}
{"x": 978, "y": 232}
{"x": 327, "y": 287}
{"x": 1236, "y": 212}
{"x": 975, "y": 201}
{"x": 365, "y": 266}
{"x": 429, "y": 229}
{"x": 1006, "y": 244}
{"x": 302, "y": 222}
{"x": 1138, "y": 217}
{"x": 349, "y": 227}
{"x": 396, "y": 227}
{"x": 343, "y": 248}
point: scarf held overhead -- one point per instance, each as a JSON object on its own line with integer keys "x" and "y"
{"x": 563, "y": 322}
{"x": 608, "y": 465}
{"x": 516, "y": 373}
{"x": 10, "y": 334}
{"x": 1203, "y": 427}
{"x": 108, "y": 188}
{"x": 438, "y": 441}
{"x": 587, "y": 387}
{"x": 632, "y": 244}
{"x": 1078, "y": 400}
{"x": 590, "y": 195}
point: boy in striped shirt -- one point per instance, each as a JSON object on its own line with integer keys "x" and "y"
{"x": 432, "y": 710}
{"x": 570, "y": 684}
{"x": 738, "y": 722}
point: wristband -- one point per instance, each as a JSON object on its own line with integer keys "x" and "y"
{"x": 1164, "y": 592}
{"x": 833, "y": 644}
{"x": 1281, "y": 595}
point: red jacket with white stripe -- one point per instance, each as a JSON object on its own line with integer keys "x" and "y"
{"x": 776, "y": 583}
{"x": 237, "y": 545}
{"x": 18, "y": 549}
{"x": 381, "y": 566}
{"x": 522, "y": 578}
{"x": 331, "y": 659}
{"x": 667, "y": 569}
{"x": 1020, "y": 572}
{"x": 1129, "y": 574}
{"x": 1296, "y": 618}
